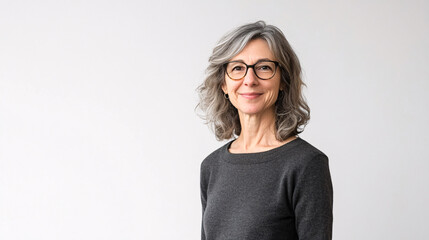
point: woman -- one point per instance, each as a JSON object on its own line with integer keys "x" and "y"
{"x": 267, "y": 183}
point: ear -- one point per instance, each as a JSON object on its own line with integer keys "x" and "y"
{"x": 282, "y": 86}
{"x": 224, "y": 89}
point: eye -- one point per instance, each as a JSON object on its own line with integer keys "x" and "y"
{"x": 264, "y": 68}
{"x": 237, "y": 68}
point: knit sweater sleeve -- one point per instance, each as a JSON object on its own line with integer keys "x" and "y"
{"x": 203, "y": 193}
{"x": 313, "y": 199}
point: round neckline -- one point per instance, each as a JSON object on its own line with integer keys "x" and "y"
{"x": 256, "y": 157}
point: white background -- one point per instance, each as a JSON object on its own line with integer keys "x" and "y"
{"x": 99, "y": 138}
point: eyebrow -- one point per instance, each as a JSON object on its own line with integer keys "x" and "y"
{"x": 259, "y": 60}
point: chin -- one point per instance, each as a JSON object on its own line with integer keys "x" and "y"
{"x": 252, "y": 110}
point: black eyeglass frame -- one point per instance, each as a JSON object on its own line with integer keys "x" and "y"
{"x": 252, "y": 66}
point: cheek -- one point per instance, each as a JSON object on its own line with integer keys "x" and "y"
{"x": 272, "y": 97}
{"x": 233, "y": 87}
{"x": 273, "y": 94}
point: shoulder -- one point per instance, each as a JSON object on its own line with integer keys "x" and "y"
{"x": 305, "y": 154}
{"x": 308, "y": 148}
{"x": 308, "y": 170}
{"x": 214, "y": 157}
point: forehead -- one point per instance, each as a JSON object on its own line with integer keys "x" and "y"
{"x": 254, "y": 50}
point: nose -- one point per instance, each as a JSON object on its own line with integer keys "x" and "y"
{"x": 250, "y": 79}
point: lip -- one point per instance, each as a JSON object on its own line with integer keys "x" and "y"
{"x": 250, "y": 95}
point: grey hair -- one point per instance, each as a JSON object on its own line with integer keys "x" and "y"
{"x": 292, "y": 111}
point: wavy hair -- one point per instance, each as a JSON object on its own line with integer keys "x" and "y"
{"x": 292, "y": 111}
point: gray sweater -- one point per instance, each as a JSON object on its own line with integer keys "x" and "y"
{"x": 283, "y": 193}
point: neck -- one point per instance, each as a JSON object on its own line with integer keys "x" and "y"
{"x": 257, "y": 130}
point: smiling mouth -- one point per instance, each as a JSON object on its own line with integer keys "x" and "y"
{"x": 251, "y": 95}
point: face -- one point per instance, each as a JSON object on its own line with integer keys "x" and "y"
{"x": 264, "y": 92}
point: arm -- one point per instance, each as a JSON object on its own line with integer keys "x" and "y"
{"x": 203, "y": 191}
{"x": 313, "y": 200}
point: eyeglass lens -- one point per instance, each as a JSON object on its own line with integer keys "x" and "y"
{"x": 263, "y": 70}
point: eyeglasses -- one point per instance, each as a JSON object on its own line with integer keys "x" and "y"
{"x": 263, "y": 69}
